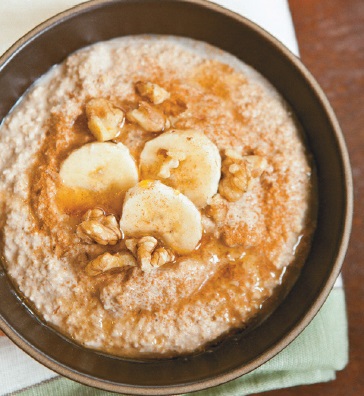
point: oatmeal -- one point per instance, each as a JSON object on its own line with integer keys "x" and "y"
{"x": 154, "y": 191}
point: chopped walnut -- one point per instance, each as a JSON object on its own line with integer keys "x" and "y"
{"x": 171, "y": 161}
{"x": 99, "y": 228}
{"x": 256, "y": 165}
{"x": 238, "y": 171}
{"x": 149, "y": 256}
{"x": 145, "y": 249}
{"x": 217, "y": 209}
{"x": 93, "y": 214}
{"x": 149, "y": 118}
{"x": 155, "y": 93}
{"x": 104, "y": 119}
{"x": 107, "y": 261}
{"x": 161, "y": 256}
{"x": 132, "y": 245}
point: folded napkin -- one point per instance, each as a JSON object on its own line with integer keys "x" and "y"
{"x": 315, "y": 356}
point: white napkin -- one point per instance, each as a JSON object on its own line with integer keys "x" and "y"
{"x": 17, "y": 17}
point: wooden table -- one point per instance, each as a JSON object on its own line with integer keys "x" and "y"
{"x": 330, "y": 34}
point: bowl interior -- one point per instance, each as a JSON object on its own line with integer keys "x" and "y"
{"x": 101, "y": 20}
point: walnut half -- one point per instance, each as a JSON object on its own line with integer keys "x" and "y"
{"x": 99, "y": 228}
{"x": 149, "y": 256}
{"x": 106, "y": 262}
{"x": 148, "y": 117}
{"x": 217, "y": 209}
{"x": 104, "y": 119}
{"x": 237, "y": 173}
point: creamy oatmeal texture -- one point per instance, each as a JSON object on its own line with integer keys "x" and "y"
{"x": 154, "y": 191}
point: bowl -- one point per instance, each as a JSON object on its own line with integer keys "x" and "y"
{"x": 49, "y": 44}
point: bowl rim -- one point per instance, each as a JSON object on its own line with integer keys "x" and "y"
{"x": 341, "y": 252}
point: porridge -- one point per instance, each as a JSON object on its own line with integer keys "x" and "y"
{"x": 154, "y": 191}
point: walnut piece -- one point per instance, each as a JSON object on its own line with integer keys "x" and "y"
{"x": 217, "y": 209}
{"x": 106, "y": 262}
{"x": 155, "y": 93}
{"x": 237, "y": 173}
{"x": 99, "y": 228}
{"x": 149, "y": 118}
{"x": 104, "y": 119}
{"x": 172, "y": 158}
{"x": 148, "y": 255}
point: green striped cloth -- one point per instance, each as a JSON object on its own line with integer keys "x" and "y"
{"x": 316, "y": 354}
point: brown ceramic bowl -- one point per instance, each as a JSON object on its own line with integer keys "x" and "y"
{"x": 98, "y": 20}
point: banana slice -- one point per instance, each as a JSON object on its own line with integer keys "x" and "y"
{"x": 152, "y": 208}
{"x": 186, "y": 160}
{"x": 100, "y": 166}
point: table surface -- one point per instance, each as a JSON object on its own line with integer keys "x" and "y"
{"x": 330, "y": 34}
